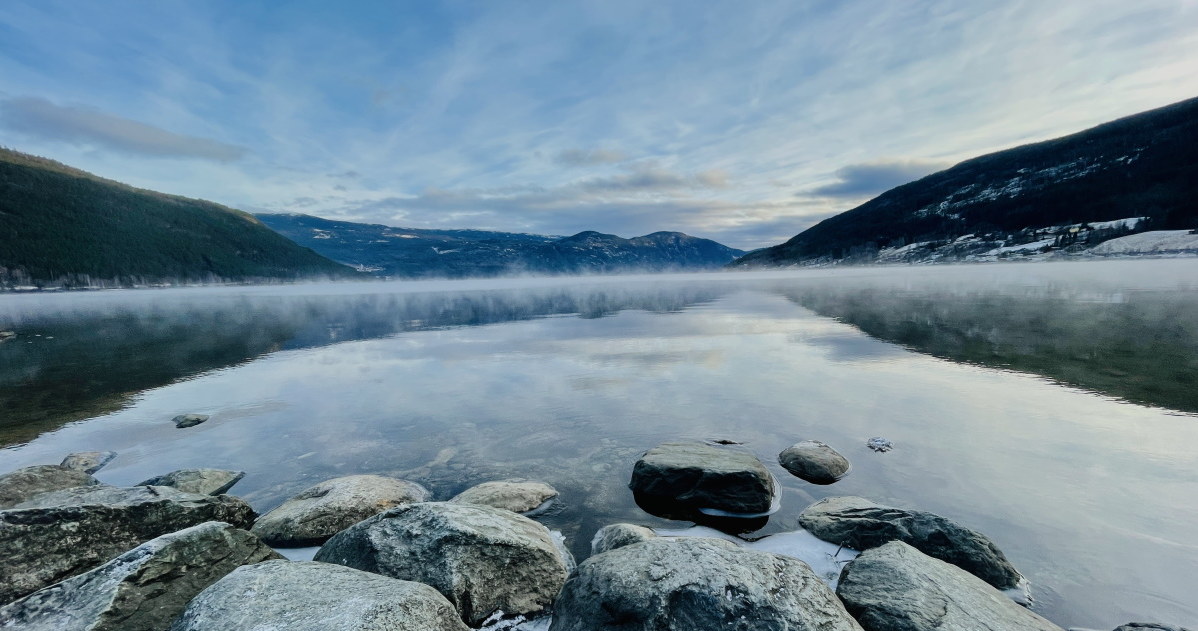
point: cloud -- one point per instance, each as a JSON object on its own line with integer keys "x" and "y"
{"x": 81, "y": 125}
{"x": 590, "y": 157}
{"x": 871, "y": 178}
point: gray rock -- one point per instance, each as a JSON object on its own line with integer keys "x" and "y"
{"x": 1149, "y": 626}
{"x": 518, "y": 496}
{"x": 63, "y": 533}
{"x": 879, "y": 444}
{"x": 814, "y": 462}
{"x": 145, "y": 588}
{"x": 189, "y": 420}
{"x": 25, "y": 484}
{"x": 619, "y": 535}
{"x": 701, "y": 476}
{"x": 202, "y": 481}
{"x": 858, "y": 523}
{"x": 696, "y": 584}
{"x": 88, "y": 461}
{"x": 321, "y": 511}
{"x": 309, "y": 596}
{"x": 898, "y": 588}
{"x": 483, "y": 559}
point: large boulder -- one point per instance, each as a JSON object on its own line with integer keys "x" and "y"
{"x": 615, "y": 536}
{"x": 145, "y": 588}
{"x": 483, "y": 559}
{"x": 321, "y": 511}
{"x": 696, "y": 584}
{"x": 87, "y": 461}
{"x": 709, "y": 478}
{"x": 309, "y": 596}
{"x": 858, "y": 523}
{"x": 518, "y": 496}
{"x": 814, "y": 462}
{"x": 202, "y": 481}
{"x": 63, "y": 533}
{"x": 25, "y": 484}
{"x": 898, "y": 588}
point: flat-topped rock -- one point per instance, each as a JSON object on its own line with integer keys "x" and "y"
{"x": 203, "y": 481}
{"x": 699, "y": 476}
{"x": 88, "y": 461}
{"x": 482, "y": 559}
{"x": 814, "y": 462}
{"x": 63, "y": 533}
{"x": 323, "y": 510}
{"x": 25, "y": 484}
{"x": 696, "y": 584}
{"x": 861, "y": 524}
{"x": 189, "y": 420}
{"x": 310, "y": 596}
{"x": 615, "y": 536}
{"x": 143, "y": 589}
{"x": 518, "y": 496}
{"x": 898, "y": 588}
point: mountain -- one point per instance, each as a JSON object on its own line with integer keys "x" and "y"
{"x": 62, "y": 227}
{"x": 420, "y": 253}
{"x": 1131, "y": 175}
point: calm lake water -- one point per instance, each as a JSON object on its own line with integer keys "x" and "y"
{"x": 1050, "y": 406}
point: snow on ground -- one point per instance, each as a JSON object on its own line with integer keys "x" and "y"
{"x": 1153, "y": 242}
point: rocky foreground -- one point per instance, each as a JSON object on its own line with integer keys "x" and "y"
{"x": 178, "y": 553}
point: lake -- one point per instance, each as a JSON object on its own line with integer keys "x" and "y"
{"x": 1051, "y": 406}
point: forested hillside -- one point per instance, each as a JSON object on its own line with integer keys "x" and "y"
{"x": 64, "y": 227}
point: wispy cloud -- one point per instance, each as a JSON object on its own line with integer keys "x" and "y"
{"x": 871, "y": 178}
{"x": 590, "y": 157}
{"x": 42, "y": 119}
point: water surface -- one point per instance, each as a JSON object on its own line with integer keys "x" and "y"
{"x": 1047, "y": 405}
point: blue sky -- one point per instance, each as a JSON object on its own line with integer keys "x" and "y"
{"x": 745, "y": 122}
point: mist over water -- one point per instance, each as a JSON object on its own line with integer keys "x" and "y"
{"x": 1050, "y": 406}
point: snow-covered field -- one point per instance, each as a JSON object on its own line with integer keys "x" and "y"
{"x": 1154, "y": 242}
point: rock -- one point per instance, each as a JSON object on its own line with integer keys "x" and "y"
{"x": 858, "y": 523}
{"x": 518, "y": 496}
{"x": 877, "y": 443}
{"x": 483, "y": 559}
{"x": 88, "y": 461}
{"x": 1149, "y": 626}
{"x": 202, "y": 481}
{"x": 7, "y": 335}
{"x": 814, "y": 462}
{"x": 25, "y": 484}
{"x": 309, "y": 596}
{"x": 145, "y": 588}
{"x": 696, "y": 584}
{"x": 700, "y": 476}
{"x": 619, "y": 535}
{"x": 62, "y": 533}
{"x": 321, "y": 511}
{"x": 898, "y": 588}
{"x": 189, "y": 420}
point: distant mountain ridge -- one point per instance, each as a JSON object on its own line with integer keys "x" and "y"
{"x": 422, "y": 253}
{"x": 1131, "y": 175}
{"x": 63, "y": 227}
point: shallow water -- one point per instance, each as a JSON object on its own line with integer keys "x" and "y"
{"x": 449, "y": 384}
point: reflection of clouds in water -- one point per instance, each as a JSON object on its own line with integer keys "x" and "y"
{"x": 850, "y": 346}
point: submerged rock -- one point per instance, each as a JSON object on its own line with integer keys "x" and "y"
{"x": 518, "y": 496}
{"x": 861, "y": 524}
{"x": 189, "y": 420}
{"x": 321, "y": 511}
{"x": 877, "y": 443}
{"x": 696, "y": 584}
{"x": 814, "y": 462}
{"x": 619, "y": 535}
{"x": 25, "y": 484}
{"x": 699, "y": 476}
{"x": 482, "y": 559}
{"x": 898, "y": 588}
{"x": 63, "y": 533}
{"x": 202, "y": 481}
{"x": 87, "y": 461}
{"x": 143, "y": 589}
{"x": 309, "y": 596}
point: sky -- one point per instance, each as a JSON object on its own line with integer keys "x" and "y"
{"x": 743, "y": 122}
